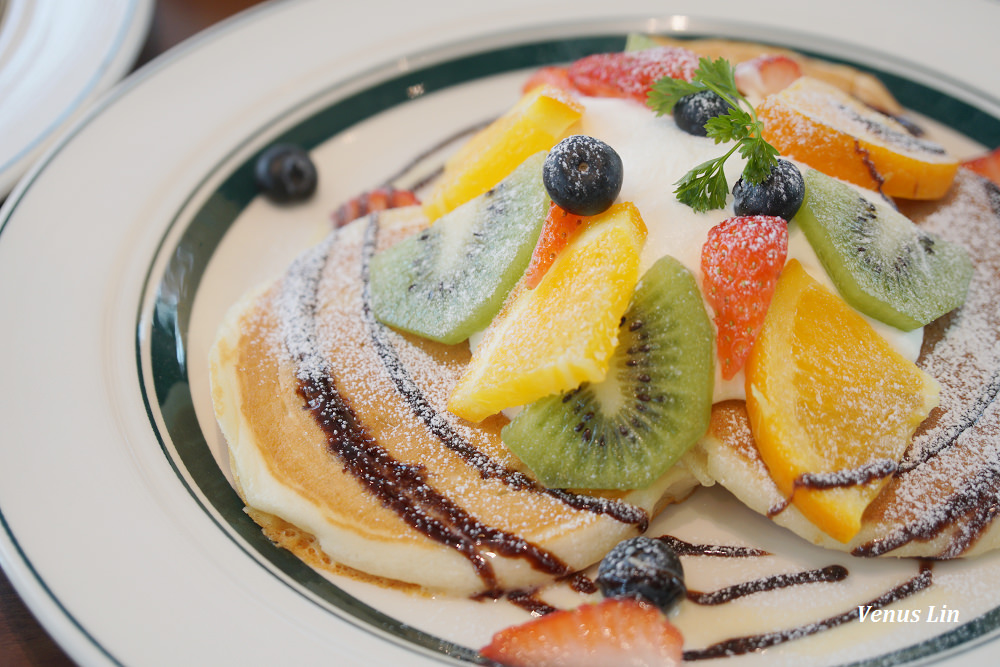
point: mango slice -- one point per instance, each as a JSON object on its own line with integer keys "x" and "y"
{"x": 832, "y": 405}
{"x": 534, "y": 124}
{"x": 563, "y": 332}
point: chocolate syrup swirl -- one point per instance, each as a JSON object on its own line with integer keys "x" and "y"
{"x": 977, "y": 504}
{"x": 581, "y": 583}
{"x": 530, "y": 603}
{"x": 442, "y": 430}
{"x": 831, "y": 573}
{"x": 750, "y": 643}
{"x": 682, "y": 548}
{"x": 869, "y": 472}
{"x": 843, "y": 478}
{"x": 399, "y": 486}
{"x": 949, "y": 435}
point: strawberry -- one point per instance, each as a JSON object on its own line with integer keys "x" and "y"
{"x": 553, "y": 75}
{"x": 617, "y": 631}
{"x": 766, "y": 74}
{"x": 631, "y": 73}
{"x": 741, "y": 262}
{"x": 987, "y": 165}
{"x": 378, "y": 199}
{"x": 558, "y": 230}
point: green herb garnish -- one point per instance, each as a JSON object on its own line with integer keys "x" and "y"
{"x": 705, "y": 187}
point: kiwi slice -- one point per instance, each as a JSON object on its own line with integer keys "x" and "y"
{"x": 449, "y": 280}
{"x": 881, "y": 262}
{"x": 655, "y": 402}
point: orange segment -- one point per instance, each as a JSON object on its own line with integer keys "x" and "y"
{"x": 563, "y": 332}
{"x": 829, "y": 130}
{"x": 829, "y": 398}
{"x": 534, "y": 124}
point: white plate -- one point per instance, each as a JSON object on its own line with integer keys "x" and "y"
{"x": 118, "y": 526}
{"x": 55, "y": 59}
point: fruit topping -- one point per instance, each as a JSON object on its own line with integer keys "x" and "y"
{"x": 653, "y": 404}
{"x": 611, "y": 632}
{"x": 832, "y": 406}
{"x": 643, "y": 568}
{"x": 692, "y": 111}
{"x": 829, "y": 130}
{"x": 563, "y": 332}
{"x": 534, "y": 124}
{"x": 987, "y": 165}
{"x": 881, "y": 263}
{"x": 583, "y": 175}
{"x": 559, "y": 229}
{"x": 379, "y": 199}
{"x": 861, "y": 85}
{"x": 766, "y": 74}
{"x": 705, "y": 186}
{"x": 630, "y": 73}
{"x": 741, "y": 262}
{"x": 449, "y": 280}
{"x": 285, "y": 173}
{"x": 555, "y": 76}
{"x": 779, "y": 194}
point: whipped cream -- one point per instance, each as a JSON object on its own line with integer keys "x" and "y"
{"x": 656, "y": 154}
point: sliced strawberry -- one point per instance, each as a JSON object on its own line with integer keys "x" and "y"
{"x": 558, "y": 230}
{"x": 379, "y": 199}
{"x": 741, "y": 262}
{"x": 766, "y": 74}
{"x": 631, "y": 73}
{"x": 617, "y": 631}
{"x": 554, "y": 75}
{"x": 987, "y": 165}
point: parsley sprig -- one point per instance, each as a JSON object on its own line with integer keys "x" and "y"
{"x": 705, "y": 187}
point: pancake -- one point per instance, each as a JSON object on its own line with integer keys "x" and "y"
{"x": 340, "y": 443}
{"x": 942, "y": 501}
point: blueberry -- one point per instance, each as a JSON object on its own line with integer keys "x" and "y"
{"x": 643, "y": 567}
{"x": 583, "y": 175}
{"x": 692, "y": 111}
{"x": 285, "y": 173}
{"x": 779, "y": 194}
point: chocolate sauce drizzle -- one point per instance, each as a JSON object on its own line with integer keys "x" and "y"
{"x": 581, "y": 583}
{"x": 440, "y": 145}
{"x": 401, "y": 487}
{"x": 831, "y": 573}
{"x": 682, "y": 548}
{"x": 869, "y": 472}
{"x": 442, "y": 430}
{"x": 530, "y": 603}
{"x": 949, "y": 435}
{"x": 977, "y": 503}
{"x": 750, "y": 643}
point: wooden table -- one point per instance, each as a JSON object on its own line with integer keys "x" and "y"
{"x": 23, "y": 642}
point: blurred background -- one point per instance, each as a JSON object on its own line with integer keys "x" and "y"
{"x": 23, "y": 641}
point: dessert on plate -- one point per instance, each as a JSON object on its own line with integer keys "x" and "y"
{"x": 501, "y": 386}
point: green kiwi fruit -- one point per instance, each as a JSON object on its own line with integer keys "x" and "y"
{"x": 448, "y": 281}
{"x": 655, "y": 402}
{"x": 881, "y": 262}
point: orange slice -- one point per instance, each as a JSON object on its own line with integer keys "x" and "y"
{"x": 534, "y": 124}
{"x": 563, "y": 332}
{"x": 832, "y": 406}
{"x": 831, "y": 131}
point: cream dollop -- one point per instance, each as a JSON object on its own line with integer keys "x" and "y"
{"x": 655, "y": 155}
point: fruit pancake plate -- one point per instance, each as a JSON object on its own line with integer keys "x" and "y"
{"x": 120, "y": 252}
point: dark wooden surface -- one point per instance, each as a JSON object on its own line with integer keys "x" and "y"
{"x": 23, "y": 641}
